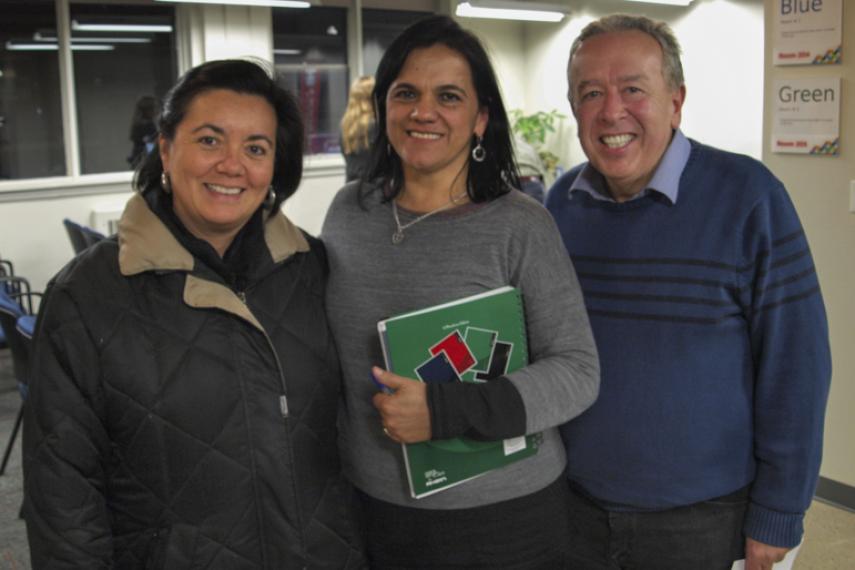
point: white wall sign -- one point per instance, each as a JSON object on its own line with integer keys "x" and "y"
{"x": 806, "y": 116}
{"x": 808, "y": 31}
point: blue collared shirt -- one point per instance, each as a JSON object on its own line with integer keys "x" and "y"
{"x": 666, "y": 179}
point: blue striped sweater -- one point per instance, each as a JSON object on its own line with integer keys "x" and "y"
{"x": 713, "y": 344}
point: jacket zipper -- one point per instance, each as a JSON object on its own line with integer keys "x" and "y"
{"x": 283, "y": 398}
{"x": 283, "y": 410}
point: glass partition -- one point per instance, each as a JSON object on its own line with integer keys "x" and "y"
{"x": 310, "y": 55}
{"x": 31, "y": 143}
{"x": 124, "y": 62}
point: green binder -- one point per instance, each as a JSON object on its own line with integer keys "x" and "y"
{"x": 474, "y": 339}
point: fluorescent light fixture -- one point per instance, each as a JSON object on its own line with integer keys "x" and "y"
{"x": 78, "y": 27}
{"x": 92, "y": 47}
{"x": 39, "y": 37}
{"x": 668, "y": 2}
{"x": 272, "y": 3}
{"x": 16, "y": 46}
{"x": 75, "y": 40}
{"x": 19, "y": 46}
{"x": 507, "y": 10}
{"x": 287, "y": 51}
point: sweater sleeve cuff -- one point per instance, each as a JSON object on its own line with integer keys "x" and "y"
{"x": 764, "y": 525}
{"x": 489, "y": 411}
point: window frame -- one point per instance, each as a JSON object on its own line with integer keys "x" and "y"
{"x": 74, "y": 182}
{"x": 187, "y": 33}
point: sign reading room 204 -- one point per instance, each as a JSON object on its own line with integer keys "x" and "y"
{"x": 806, "y": 117}
{"x": 808, "y": 31}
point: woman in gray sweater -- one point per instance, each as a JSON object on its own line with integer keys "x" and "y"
{"x": 440, "y": 221}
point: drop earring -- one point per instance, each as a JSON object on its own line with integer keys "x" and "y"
{"x": 165, "y": 183}
{"x": 479, "y": 153}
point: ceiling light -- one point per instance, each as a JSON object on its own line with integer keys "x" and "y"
{"x": 668, "y": 2}
{"x": 19, "y": 46}
{"x": 78, "y": 27}
{"x": 506, "y": 10}
{"x": 16, "y": 46}
{"x": 272, "y": 3}
{"x": 287, "y": 51}
{"x": 111, "y": 40}
{"x": 92, "y": 47}
{"x": 39, "y": 37}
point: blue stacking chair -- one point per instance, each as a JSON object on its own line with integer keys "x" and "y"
{"x": 81, "y": 236}
{"x": 6, "y": 270}
{"x": 17, "y": 320}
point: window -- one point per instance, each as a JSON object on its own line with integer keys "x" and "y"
{"x": 379, "y": 28}
{"x": 118, "y": 87}
{"x": 115, "y": 71}
{"x": 99, "y": 117}
{"x": 310, "y": 56}
{"x": 30, "y": 104}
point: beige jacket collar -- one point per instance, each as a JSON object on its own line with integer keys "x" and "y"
{"x": 146, "y": 244}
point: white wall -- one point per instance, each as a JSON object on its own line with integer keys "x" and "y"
{"x": 33, "y": 237}
{"x": 722, "y": 44}
{"x": 504, "y": 41}
{"x": 221, "y": 32}
{"x": 819, "y": 187}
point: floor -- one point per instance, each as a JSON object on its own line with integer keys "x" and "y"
{"x": 829, "y": 531}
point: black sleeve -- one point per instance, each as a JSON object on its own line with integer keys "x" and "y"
{"x": 489, "y": 411}
{"x": 65, "y": 443}
{"x": 320, "y": 249}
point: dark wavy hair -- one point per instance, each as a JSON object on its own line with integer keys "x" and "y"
{"x": 240, "y": 76}
{"x": 486, "y": 180}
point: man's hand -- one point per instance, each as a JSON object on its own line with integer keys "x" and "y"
{"x": 760, "y": 556}
{"x": 404, "y": 411}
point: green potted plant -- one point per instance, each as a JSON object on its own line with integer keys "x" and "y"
{"x": 533, "y": 129}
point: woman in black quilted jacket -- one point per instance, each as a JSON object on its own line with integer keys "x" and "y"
{"x": 183, "y": 399}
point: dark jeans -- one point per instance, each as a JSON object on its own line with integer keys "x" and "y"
{"x": 527, "y": 533}
{"x": 702, "y": 536}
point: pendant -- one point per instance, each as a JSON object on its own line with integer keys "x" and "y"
{"x": 397, "y": 237}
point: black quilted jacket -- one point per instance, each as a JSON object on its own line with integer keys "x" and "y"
{"x": 175, "y": 424}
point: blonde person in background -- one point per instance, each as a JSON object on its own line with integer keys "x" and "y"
{"x": 358, "y": 128}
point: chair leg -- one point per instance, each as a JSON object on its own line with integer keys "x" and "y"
{"x": 12, "y": 437}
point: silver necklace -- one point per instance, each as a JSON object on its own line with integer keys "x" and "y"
{"x": 398, "y": 235}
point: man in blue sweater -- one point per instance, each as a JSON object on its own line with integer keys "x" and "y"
{"x": 705, "y": 443}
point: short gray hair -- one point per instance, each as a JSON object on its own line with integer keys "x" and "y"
{"x": 672, "y": 67}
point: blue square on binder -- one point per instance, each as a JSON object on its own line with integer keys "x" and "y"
{"x": 437, "y": 370}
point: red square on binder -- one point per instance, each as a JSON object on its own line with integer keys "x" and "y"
{"x": 457, "y": 350}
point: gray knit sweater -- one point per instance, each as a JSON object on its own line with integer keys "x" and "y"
{"x": 470, "y": 249}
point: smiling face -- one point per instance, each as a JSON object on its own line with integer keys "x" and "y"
{"x": 625, "y": 108}
{"x": 432, "y": 111}
{"x": 220, "y": 163}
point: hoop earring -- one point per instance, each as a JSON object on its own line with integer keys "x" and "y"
{"x": 165, "y": 183}
{"x": 271, "y": 198}
{"x": 479, "y": 153}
